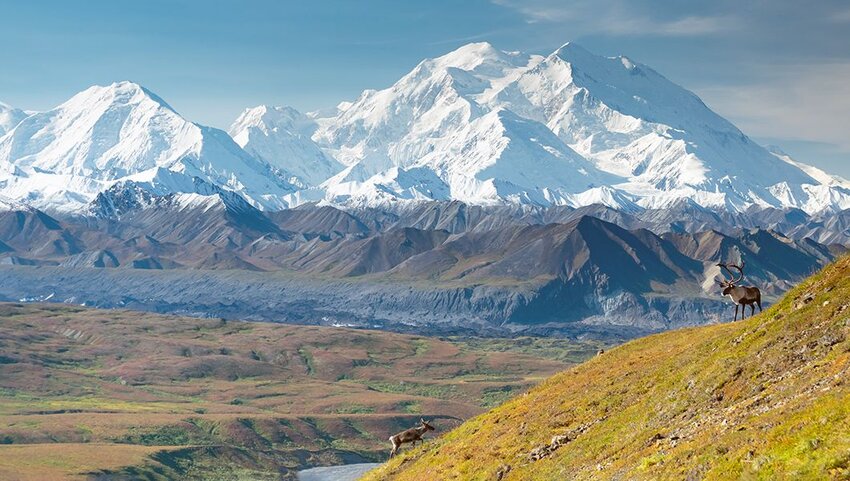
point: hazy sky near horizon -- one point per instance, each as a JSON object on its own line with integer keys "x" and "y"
{"x": 779, "y": 69}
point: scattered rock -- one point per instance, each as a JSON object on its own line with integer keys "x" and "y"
{"x": 502, "y": 472}
{"x": 600, "y": 352}
{"x": 560, "y": 440}
{"x": 539, "y": 453}
{"x": 804, "y": 299}
{"x": 830, "y": 339}
{"x": 674, "y": 440}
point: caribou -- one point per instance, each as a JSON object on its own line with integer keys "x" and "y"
{"x": 410, "y": 436}
{"x": 742, "y": 296}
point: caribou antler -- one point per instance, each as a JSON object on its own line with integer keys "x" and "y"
{"x": 732, "y": 279}
{"x": 740, "y": 272}
{"x": 725, "y": 280}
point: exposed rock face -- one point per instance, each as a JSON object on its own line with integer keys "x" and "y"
{"x": 442, "y": 268}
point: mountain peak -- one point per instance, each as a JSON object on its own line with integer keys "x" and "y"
{"x": 576, "y": 55}
{"x": 491, "y": 126}
{"x": 571, "y": 47}
{"x": 655, "y": 141}
{"x": 475, "y": 48}
{"x": 280, "y": 136}
{"x": 118, "y": 93}
{"x": 9, "y": 117}
{"x": 268, "y": 119}
{"x": 60, "y": 160}
{"x": 572, "y": 50}
{"x": 472, "y": 55}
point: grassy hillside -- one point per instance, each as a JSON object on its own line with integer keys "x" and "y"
{"x": 144, "y": 396}
{"x": 764, "y": 398}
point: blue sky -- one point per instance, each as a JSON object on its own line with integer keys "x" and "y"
{"x": 779, "y": 69}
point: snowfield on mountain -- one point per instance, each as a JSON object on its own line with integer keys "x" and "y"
{"x": 477, "y": 125}
{"x": 60, "y": 160}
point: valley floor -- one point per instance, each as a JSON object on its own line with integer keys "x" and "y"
{"x": 122, "y": 395}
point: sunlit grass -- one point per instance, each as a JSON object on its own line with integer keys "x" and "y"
{"x": 767, "y": 398}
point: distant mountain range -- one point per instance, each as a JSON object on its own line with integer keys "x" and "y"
{"x": 437, "y": 268}
{"x": 484, "y": 192}
{"x": 477, "y": 125}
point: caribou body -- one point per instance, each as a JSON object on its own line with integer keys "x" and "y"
{"x": 409, "y": 436}
{"x": 742, "y": 296}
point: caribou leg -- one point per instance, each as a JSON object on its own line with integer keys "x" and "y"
{"x": 736, "y": 313}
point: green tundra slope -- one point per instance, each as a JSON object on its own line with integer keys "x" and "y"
{"x": 92, "y": 394}
{"x": 764, "y": 398}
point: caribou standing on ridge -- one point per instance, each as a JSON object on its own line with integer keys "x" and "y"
{"x": 741, "y": 295}
{"x": 410, "y": 436}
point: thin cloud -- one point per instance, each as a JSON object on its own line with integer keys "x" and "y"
{"x": 470, "y": 38}
{"x": 614, "y": 17}
{"x": 807, "y": 102}
{"x": 841, "y": 16}
{"x": 697, "y": 25}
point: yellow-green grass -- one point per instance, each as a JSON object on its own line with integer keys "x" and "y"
{"x": 71, "y": 376}
{"x": 767, "y": 398}
{"x": 45, "y": 462}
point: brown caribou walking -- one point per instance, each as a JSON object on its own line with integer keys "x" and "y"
{"x": 741, "y": 295}
{"x": 409, "y": 436}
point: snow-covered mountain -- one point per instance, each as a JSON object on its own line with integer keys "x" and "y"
{"x": 122, "y": 134}
{"x": 281, "y": 136}
{"x": 10, "y": 117}
{"x": 478, "y": 125}
{"x": 570, "y": 128}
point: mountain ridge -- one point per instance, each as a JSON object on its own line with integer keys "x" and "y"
{"x": 699, "y": 155}
{"x": 440, "y": 268}
{"x": 478, "y": 125}
{"x": 61, "y": 159}
{"x": 10, "y": 117}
